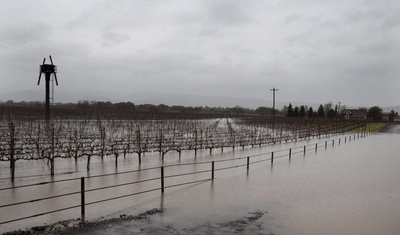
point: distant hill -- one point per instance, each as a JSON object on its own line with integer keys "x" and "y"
{"x": 394, "y": 108}
{"x": 156, "y": 99}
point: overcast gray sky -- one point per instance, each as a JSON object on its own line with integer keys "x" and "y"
{"x": 311, "y": 50}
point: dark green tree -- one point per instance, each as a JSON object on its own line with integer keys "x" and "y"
{"x": 331, "y": 114}
{"x": 392, "y": 115}
{"x": 290, "y": 110}
{"x": 310, "y": 112}
{"x": 296, "y": 112}
{"x": 321, "y": 112}
{"x": 302, "y": 111}
{"x": 375, "y": 113}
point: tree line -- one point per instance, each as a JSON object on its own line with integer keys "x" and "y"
{"x": 125, "y": 110}
{"x": 323, "y": 111}
{"x": 128, "y": 110}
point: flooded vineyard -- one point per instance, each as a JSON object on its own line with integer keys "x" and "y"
{"x": 109, "y": 153}
{"x": 76, "y": 139}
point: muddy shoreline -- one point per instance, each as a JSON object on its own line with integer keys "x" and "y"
{"x": 143, "y": 224}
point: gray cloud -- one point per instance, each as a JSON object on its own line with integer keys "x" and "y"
{"x": 313, "y": 51}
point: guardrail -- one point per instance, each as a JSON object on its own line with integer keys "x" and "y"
{"x": 211, "y": 170}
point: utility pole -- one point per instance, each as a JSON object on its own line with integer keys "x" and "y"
{"x": 273, "y": 101}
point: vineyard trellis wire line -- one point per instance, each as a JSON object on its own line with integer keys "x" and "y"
{"x": 77, "y": 139}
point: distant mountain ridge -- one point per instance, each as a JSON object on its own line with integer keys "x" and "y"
{"x": 156, "y": 99}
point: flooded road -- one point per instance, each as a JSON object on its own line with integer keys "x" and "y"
{"x": 393, "y": 129}
{"x": 351, "y": 188}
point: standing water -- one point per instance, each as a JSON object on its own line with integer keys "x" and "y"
{"x": 350, "y": 188}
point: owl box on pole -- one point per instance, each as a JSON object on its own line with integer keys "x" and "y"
{"x": 48, "y": 70}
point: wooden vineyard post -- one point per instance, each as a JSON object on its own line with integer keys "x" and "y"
{"x": 82, "y": 200}
{"x": 272, "y": 157}
{"x": 162, "y": 179}
{"x": 212, "y": 170}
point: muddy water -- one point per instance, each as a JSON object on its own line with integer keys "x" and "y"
{"x": 351, "y": 188}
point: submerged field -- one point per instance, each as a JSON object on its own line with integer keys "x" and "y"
{"x": 33, "y": 140}
{"x": 218, "y": 204}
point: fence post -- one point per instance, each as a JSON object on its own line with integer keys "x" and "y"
{"x": 316, "y": 147}
{"x": 304, "y": 151}
{"x": 272, "y": 157}
{"x": 339, "y": 141}
{"x": 248, "y": 162}
{"x": 162, "y": 179}
{"x": 326, "y": 144}
{"x": 212, "y": 170}
{"x": 290, "y": 153}
{"x": 82, "y": 199}
{"x": 333, "y": 143}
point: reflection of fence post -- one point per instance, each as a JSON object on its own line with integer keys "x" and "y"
{"x": 212, "y": 170}
{"x": 162, "y": 179}
{"x": 272, "y": 157}
{"x": 248, "y": 162}
{"x": 82, "y": 199}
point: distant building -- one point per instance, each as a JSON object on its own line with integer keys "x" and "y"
{"x": 385, "y": 117}
{"x": 355, "y": 114}
{"x": 396, "y": 119}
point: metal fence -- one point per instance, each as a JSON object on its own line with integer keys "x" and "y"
{"x": 161, "y": 181}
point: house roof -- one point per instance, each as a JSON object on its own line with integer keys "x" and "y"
{"x": 356, "y": 112}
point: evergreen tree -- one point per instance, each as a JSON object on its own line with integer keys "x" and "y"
{"x": 302, "y": 111}
{"x": 321, "y": 112}
{"x": 290, "y": 110}
{"x": 296, "y": 112}
{"x": 310, "y": 112}
{"x": 331, "y": 114}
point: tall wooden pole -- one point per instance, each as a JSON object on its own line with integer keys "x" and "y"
{"x": 273, "y": 101}
{"x": 48, "y": 74}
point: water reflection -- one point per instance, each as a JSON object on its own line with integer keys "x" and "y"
{"x": 346, "y": 189}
